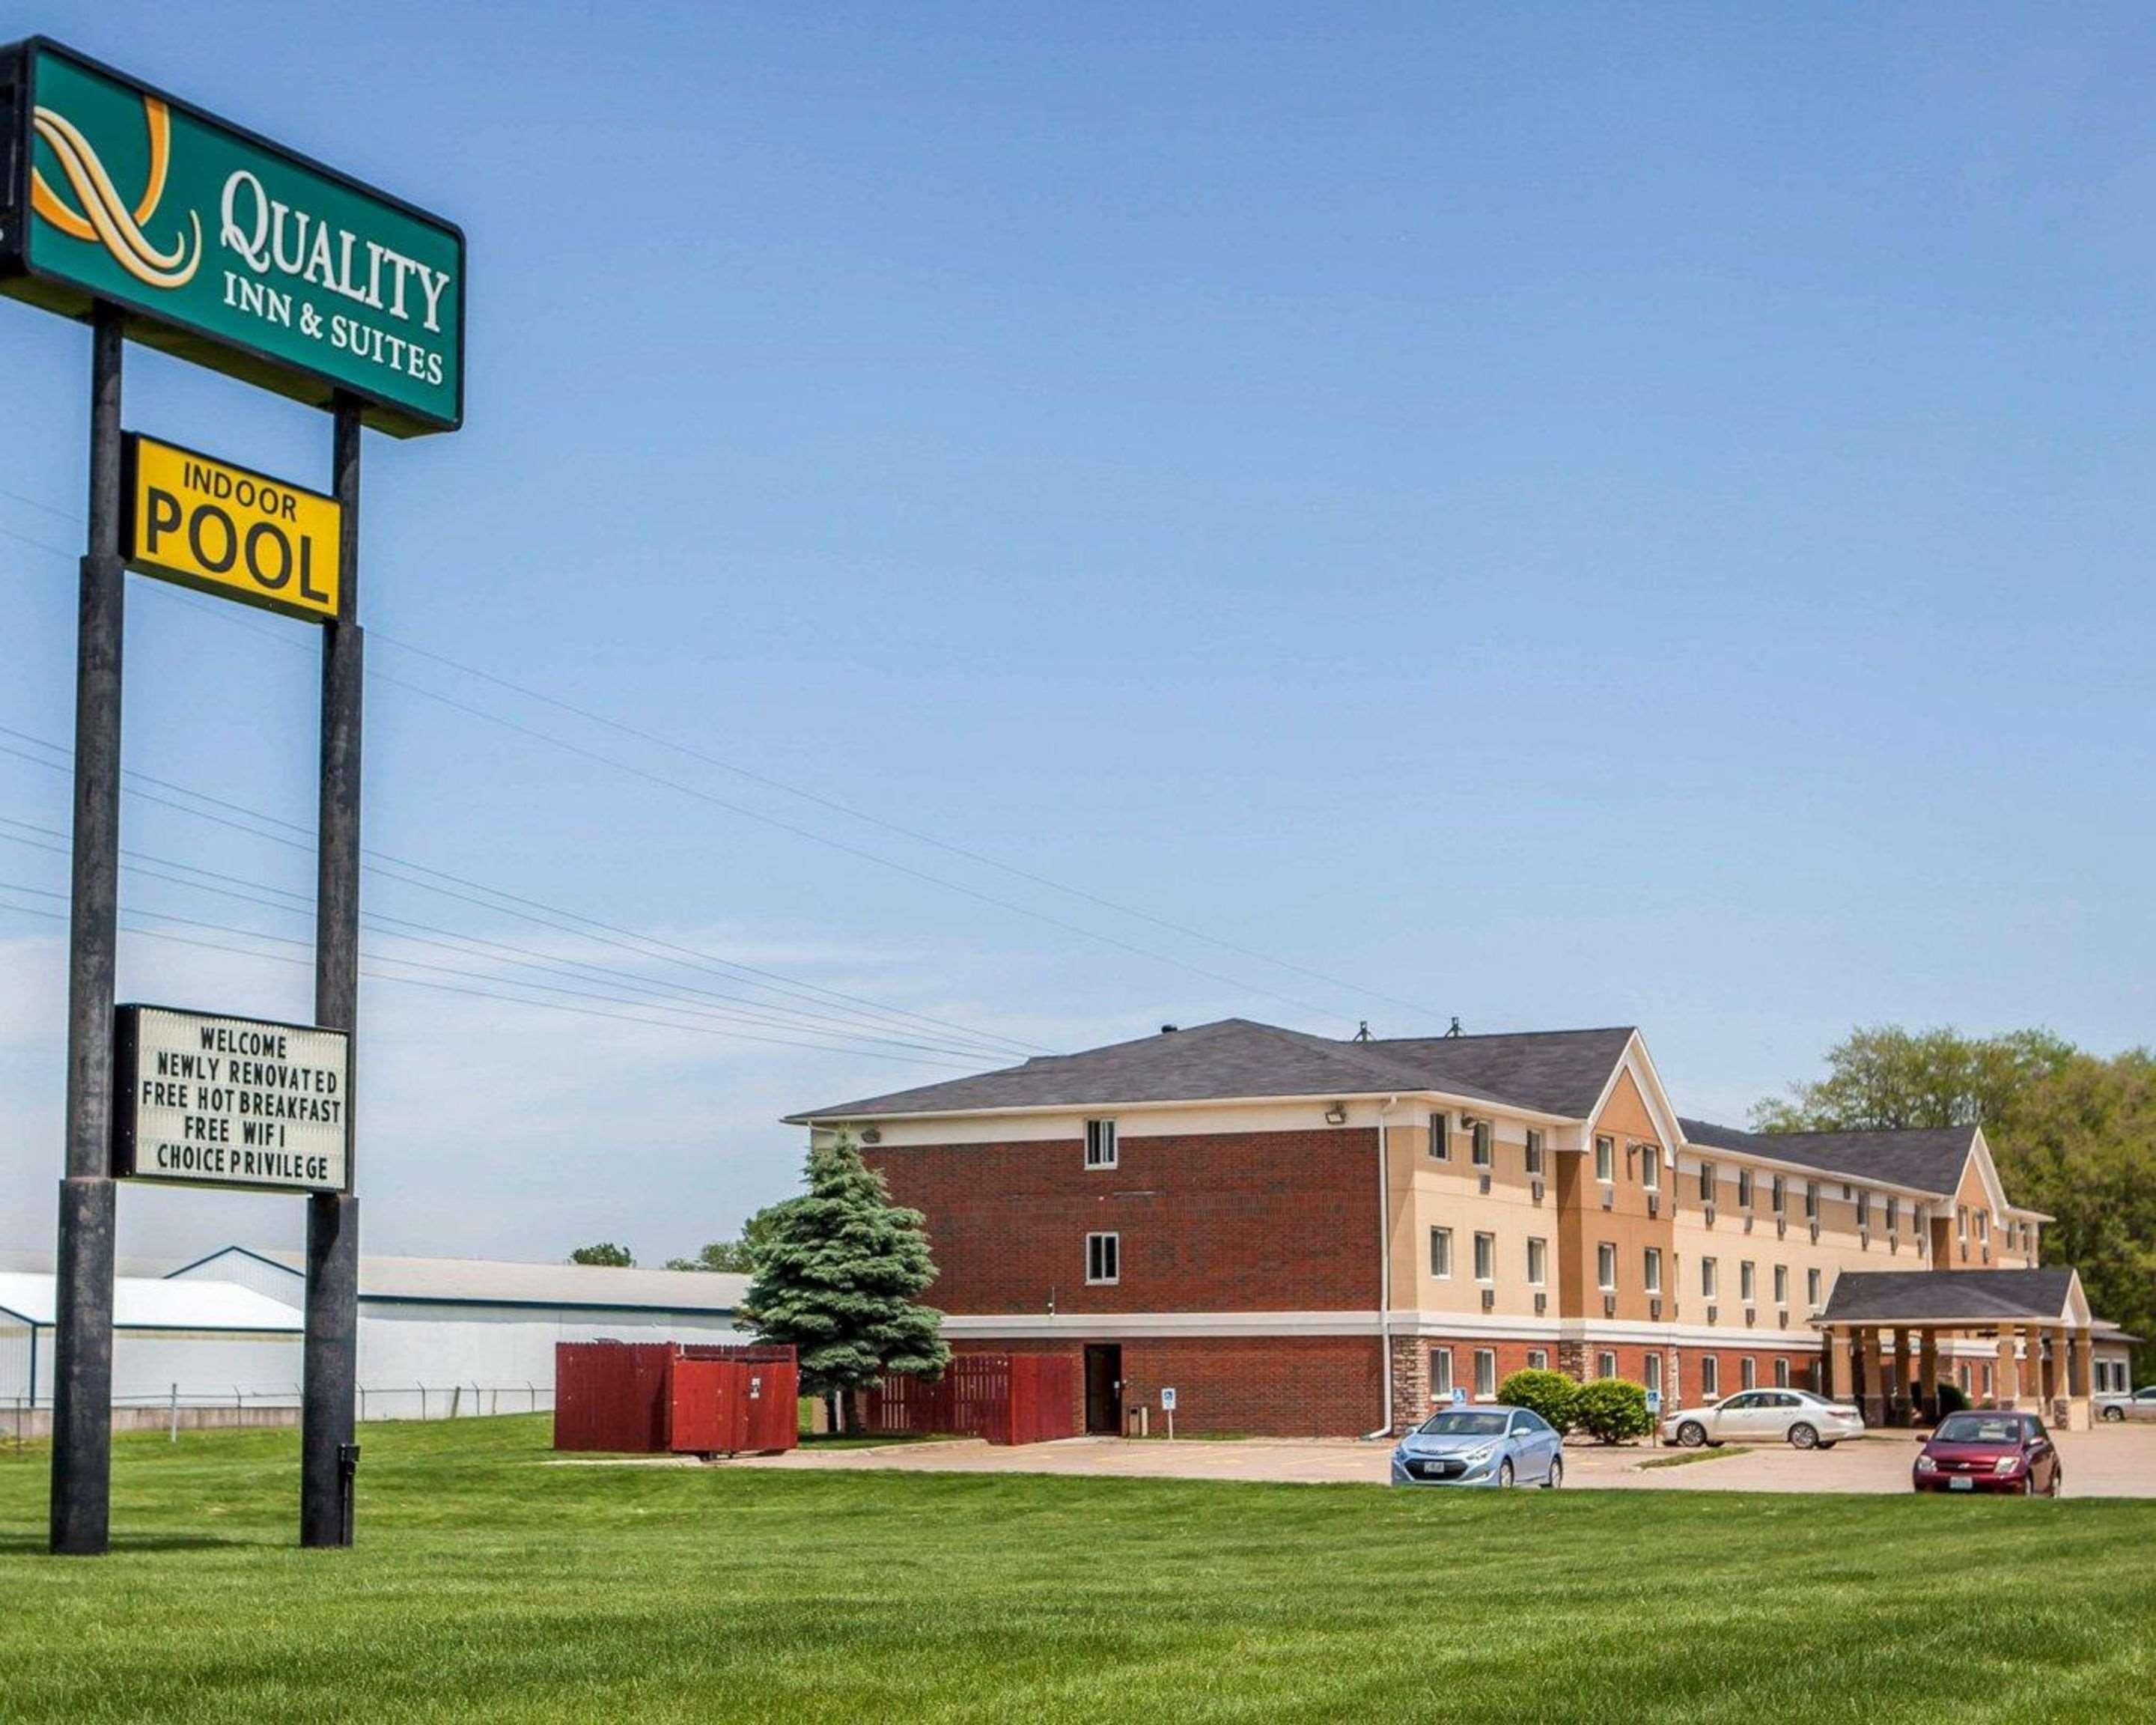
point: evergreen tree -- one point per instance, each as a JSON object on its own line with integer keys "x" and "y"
{"x": 837, "y": 1270}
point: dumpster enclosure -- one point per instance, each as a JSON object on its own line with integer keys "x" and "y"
{"x": 655, "y": 1397}
{"x": 1005, "y": 1397}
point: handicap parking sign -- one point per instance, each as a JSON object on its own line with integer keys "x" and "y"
{"x": 1459, "y": 1396}
{"x": 1653, "y": 1401}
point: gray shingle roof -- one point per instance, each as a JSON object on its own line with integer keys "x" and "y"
{"x": 1868, "y": 1295}
{"x": 1924, "y": 1158}
{"x": 1557, "y": 1072}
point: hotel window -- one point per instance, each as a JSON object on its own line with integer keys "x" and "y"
{"x": 1988, "y": 1388}
{"x": 1706, "y": 1183}
{"x": 1441, "y": 1253}
{"x": 1605, "y": 1159}
{"x": 1538, "y": 1359}
{"x": 1811, "y": 1200}
{"x": 1479, "y": 1144}
{"x": 1605, "y": 1364}
{"x": 1440, "y": 1373}
{"x": 1893, "y": 1213}
{"x": 1100, "y": 1143}
{"x": 1485, "y": 1371}
{"x": 1103, "y": 1256}
{"x": 1812, "y": 1279}
{"x": 1748, "y": 1373}
{"x": 1654, "y": 1269}
{"x": 1537, "y": 1263}
{"x": 1781, "y": 1284}
{"x": 1606, "y": 1266}
{"x": 1534, "y": 1152}
{"x": 1744, "y": 1189}
{"x": 1747, "y": 1284}
{"x": 1651, "y": 1167}
{"x": 1710, "y": 1376}
{"x": 1864, "y": 1209}
{"x": 1780, "y": 1196}
{"x": 1440, "y": 1138}
{"x": 1781, "y": 1371}
{"x": 1485, "y": 1257}
{"x": 1653, "y": 1384}
{"x": 1983, "y": 1228}
{"x": 1961, "y": 1223}
{"x": 1710, "y": 1278}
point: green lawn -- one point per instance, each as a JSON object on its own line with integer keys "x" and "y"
{"x": 489, "y": 1586}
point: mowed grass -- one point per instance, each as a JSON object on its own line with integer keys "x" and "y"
{"x": 489, "y": 1585}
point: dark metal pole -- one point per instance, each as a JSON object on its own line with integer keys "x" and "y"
{"x": 332, "y": 1343}
{"x": 82, "y": 1359}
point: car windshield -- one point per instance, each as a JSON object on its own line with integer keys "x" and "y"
{"x": 1979, "y": 1428}
{"x": 1464, "y": 1425}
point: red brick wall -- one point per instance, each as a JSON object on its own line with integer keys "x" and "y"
{"x": 1691, "y": 1388}
{"x": 1227, "y": 1222}
{"x": 1283, "y": 1386}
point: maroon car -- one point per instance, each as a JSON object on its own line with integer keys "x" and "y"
{"x": 1990, "y": 1450}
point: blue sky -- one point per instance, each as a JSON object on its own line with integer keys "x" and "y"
{"x": 1558, "y": 516}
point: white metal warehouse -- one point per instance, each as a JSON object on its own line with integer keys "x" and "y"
{"x": 443, "y": 1336}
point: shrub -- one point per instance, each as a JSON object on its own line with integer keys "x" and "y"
{"x": 1951, "y": 1399}
{"x": 1551, "y": 1394}
{"x": 1610, "y": 1409}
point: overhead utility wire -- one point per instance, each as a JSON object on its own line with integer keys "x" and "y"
{"x": 388, "y": 867}
{"x": 225, "y": 886}
{"x": 441, "y": 988}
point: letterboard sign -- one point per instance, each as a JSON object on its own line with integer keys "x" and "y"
{"x": 203, "y": 1100}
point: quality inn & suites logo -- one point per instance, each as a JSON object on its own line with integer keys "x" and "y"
{"x": 101, "y": 214}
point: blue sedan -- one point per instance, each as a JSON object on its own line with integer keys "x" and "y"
{"x": 1480, "y": 1446}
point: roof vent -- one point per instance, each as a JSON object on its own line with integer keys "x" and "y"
{"x": 1169, "y": 1029}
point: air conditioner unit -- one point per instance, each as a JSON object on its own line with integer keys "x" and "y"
{"x": 1542, "y": 1304}
{"x": 1654, "y": 1204}
{"x": 1535, "y": 1190}
{"x": 1712, "y": 1311}
{"x": 1785, "y": 1320}
{"x": 1864, "y": 1238}
{"x": 1483, "y": 1185}
{"x": 1781, "y": 1227}
{"x": 1488, "y": 1299}
{"x": 1751, "y": 1315}
{"x": 1709, "y": 1215}
{"x": 1747, "y": 1221}
{"x": 1654, "y": 1310}
{"x": 1815, "y": 1230}
{"x": 1608, "y": 1199}
{"x": 1609, "y": 1306}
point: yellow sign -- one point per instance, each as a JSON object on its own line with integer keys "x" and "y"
{"x": 238, "y": 534}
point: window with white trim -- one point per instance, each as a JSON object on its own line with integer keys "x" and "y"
{"x": 1605, "y": 1364}
{"x": 1814, "y": 1280}
{"x": 1781, "y": 1284}
{"x": 1710, "y": 1278}
{"x": 1748, "y": 1373}
{"x": 1441, "y": 1253}
{"x": 1811, "y": 1200}
{"x": 1606, "y": 1266}
{"x": 1534, "y": 1152}
{"x": 1864, "y": 1209}
{"x": 1440, "y": 1138}
{"x": 1654, "y": 1269}
{"x": 1538, "y": 1359}
{"x": 1651, "y": 1167}
{"x": 1485, "y": 1371}
{"x": 1781, "y": 1371}
{"x": 1777, "y": 1196}
{"x": 1440, "y": 1373}
{"x": 1100, "y": 1143}
{"x": 1710, "y": 1376}
{"x": 1481, "y": 1144}
{"x": 1893, "y": 1213}
{"x": 1605, "y": 1159}
{"x": 1744, "y": 1189}
{"x": 1537, "y": 1263}
{"x": 1485, "y": 1257}
{"x": 1653, "y": 1384}
{"x": 1706, "y": 1183}
{"x": 1103, "y": 1258}
{"x": 1747, "y": 1284}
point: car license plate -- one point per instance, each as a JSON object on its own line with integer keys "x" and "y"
{"x": 1961, "y": 1484}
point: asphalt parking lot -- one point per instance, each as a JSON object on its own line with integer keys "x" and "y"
{"x": 2112, "y": 1461}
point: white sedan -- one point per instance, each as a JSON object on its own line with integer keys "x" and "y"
{"x": 1795, "y": 1417}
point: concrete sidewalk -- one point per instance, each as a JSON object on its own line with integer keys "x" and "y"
{"x": 2112, "y": 1461}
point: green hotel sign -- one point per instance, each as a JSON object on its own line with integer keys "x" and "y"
{"x": 223, "y": 247}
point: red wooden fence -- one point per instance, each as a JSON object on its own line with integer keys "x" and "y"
{"x": 1005, "y": 1397}
{"x": 643, "y": 1397}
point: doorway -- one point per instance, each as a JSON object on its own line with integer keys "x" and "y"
{"x": 1104, "y": 1389}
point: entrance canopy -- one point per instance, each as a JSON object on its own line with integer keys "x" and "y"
{"x": 2039, "y": 1320}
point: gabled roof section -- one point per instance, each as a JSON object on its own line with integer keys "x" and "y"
{"x": 1927, "y": 1160}
{"x": 493, "y": 1281}
{"x": 1558, "y": 1072}
{"x": 153, "y": 1303}
{"x": 2050, "y": 1295}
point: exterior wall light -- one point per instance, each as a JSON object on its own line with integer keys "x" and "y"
{"x": 1337, "y": 1114}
